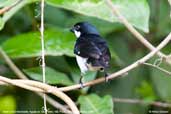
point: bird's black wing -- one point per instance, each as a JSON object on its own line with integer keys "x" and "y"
{"x": 87, "y": 49}
{"x": 103, "y": 47}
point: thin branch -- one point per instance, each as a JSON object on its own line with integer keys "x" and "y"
{"x": 124, "y": 70}
{"x": 21, "y": 75}
{"x": 5, "y": 9}
{"x": 133, "y": 30}
{"x": 33, "y": 86}
{"x": 159, "y": 68}
{"x": 137, "y": 101}
{"x": 22, "y": 85}
{"x": 2, "y": 83}
{"x": 43, "y": 52}
{"x": 12, "y": 66}
{"x": 42, "y": 87}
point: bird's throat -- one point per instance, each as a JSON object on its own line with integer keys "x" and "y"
{"x": 77, "y": 34}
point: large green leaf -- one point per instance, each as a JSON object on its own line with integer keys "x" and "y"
{"x": 52, "y": 76}
{"x": 7, "y": 105}
{"x": 93, "y": 104}
{"x": 52, "y": 19}
{"x": 136, "y": 11}
{"x": 57, "y": 42}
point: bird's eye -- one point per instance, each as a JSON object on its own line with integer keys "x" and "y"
{"x": 77, "y": 27}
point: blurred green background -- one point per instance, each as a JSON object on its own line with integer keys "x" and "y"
{"x": 20, "y": 39}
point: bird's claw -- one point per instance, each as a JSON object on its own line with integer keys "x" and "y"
{"x": 106, "y": 77}
{"x": 81, "y": 82}
{"x": 81, "y": 85}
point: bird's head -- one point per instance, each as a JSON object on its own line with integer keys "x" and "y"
{"x": 83, "y": 28}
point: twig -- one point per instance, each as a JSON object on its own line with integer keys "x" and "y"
{"x": 124, "y": 70}
{"x": 12, "y": 65}
{"x": 5, "y": 9}
{"x": 133, "y": 30}
{"x": 42, "y": 87}
{"x": 159, "y": 68}
{"x": 22, "y": 85}
{"x": 137, "y": 101}
{"x": 43, "y": 52}
{"x": 21, "y": 75}
{"x": 158, "y": 61}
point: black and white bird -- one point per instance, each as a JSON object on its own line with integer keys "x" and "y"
{"x": 91, "y": 50}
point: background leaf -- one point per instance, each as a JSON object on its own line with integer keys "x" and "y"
{"x": 136, "y": 11}
{"x": 52, "y": 76}
{"x": 57, "y": 42}
{"x": 162, "y": 82}
{"x": 7, "y": 105}
{"x": 95, "y": 105}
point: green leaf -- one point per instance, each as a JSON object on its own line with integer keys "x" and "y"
{"x": 93, "y": 104}
{"x": 57, "y": 42}
{"x": 162, "y": 82}
{"x": 136, "y": 11}
{"x": 52, "y": 76}
{"x": 7, "y": 105}
{"x": 52, "y": 19}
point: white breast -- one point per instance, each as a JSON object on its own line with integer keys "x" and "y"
{"x": 82, "y": 63}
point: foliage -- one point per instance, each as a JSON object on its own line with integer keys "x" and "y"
{"x": 52, "y": 76}
{"x": 20, "y": 39}
{"x": 7, "y": 104}
{"x": 96, "y": 105}
{"x": 63, "y": 45}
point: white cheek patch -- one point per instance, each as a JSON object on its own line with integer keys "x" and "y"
{"x": 77, "y": 33}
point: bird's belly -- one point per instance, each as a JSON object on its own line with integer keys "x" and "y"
{"x": 82, "y": 63}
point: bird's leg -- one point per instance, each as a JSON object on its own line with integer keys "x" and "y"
{"x": 106, "y": 76}
{"x": 81, "y": 81}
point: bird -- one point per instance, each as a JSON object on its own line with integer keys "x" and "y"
{"x": 91, "y": 50}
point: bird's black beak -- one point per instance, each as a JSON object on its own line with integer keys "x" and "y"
{"x": 72, "y": 29}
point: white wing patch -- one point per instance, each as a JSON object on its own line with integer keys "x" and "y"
{"x": 82, "y": 63}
